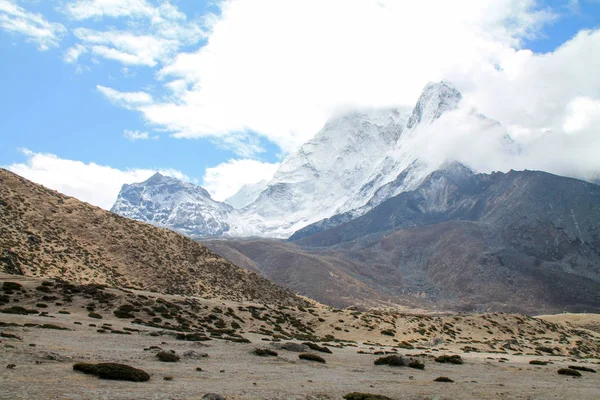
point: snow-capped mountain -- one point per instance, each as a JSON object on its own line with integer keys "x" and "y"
{"x": 354, "y": 163}
{"x": 247, "y": 194}
{"x": 315, "y": 181}
{"x": 174, "y": 204}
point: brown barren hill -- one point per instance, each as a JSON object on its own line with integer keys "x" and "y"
{"x": 47, "y": 234}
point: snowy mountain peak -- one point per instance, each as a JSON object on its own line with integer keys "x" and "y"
{"x": 435, "y": 99}
{"x": 170, "y": 202}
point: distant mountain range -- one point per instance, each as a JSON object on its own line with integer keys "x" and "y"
{"x": 357, "y": 161}
{"x": 373, "y": 215}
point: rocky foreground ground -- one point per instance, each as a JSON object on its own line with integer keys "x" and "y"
{"x": 47, "y": 326}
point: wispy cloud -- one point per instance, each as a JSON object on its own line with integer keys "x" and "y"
{"x": 34, "y": 27}
{"x": 125, "y": 99}
{"x": 137, "y": 135}
{"x": 153, "y": 33}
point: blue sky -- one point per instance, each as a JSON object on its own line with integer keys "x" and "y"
{"x": 219, "y": 93}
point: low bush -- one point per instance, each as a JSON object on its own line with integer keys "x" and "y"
{"x": 94, "y": 315}
{"x": 443, "y": 379}
{"x": 167, "y": 356}
{"x": 311, "y": 357}
{"x": 581, "y": 368}
{"x": 18, "y": 310}
{"x": 392, "y": 360}
{"x": 445, "y": 359}
{"x": 569, "y": 372}
{"x": 265, "y": 352}
{"x": 416, "y": 364}
{"x": 316, "y": 347}
{"x": 113, "y": 371}
{"x": 538, "y": 362}
{"x": 365, "y": 396}
{"x": 11, "y": 286}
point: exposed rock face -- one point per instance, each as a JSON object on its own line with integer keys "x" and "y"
{"x": 521, "y": 241}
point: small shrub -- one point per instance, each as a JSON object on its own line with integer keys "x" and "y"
{"x": 11, "y": 286}
{"x": 416, "y": 364}
{"x": 545, "y": 349}
{"x": 405, "y": 345}
{"x": 192, "y": 337}
{"x": 581, "y": 368}
{"x": 113, "y": 371}
{"x": 538, "y": 362}
{"x": 569, "y": 372}
{"x": 18, "y": 310}
{"x": 124, "y": 311}
{"x": 9, "y": 336}
{"x": 265, "y": 352}
{"x": 95, "y": 315}
{"x": 311, "y": 357}
{"x": 445, "y": 359}
{"x": 167, "y": 356}
{"x": 388, "y": 332}
{"x": 43, "y": 289}
{"x": 392, "y": 360}
{"x": 443, "y": 379}
{"x": 365, "y": 396}
{"x": 316, "y": 347}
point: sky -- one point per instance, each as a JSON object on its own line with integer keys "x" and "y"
{"x": 98, "y": 93}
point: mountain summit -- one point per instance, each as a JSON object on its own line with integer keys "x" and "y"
{"x": 169, "y": 202}
{"x": 355, "y": 162}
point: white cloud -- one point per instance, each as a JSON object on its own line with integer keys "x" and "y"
{"x": 96, "y": 184}
{"x": 583, "y": 114}
{"x": 153, "y": 33}
{"x": 125, "y": 47}
{"x": 125, "y": 99}
{"x": 227, "y": 178}
{"x": 280, "y": 68}
{"x": 137, "y": 135}
{"x": 72, "y": 54}
{"x": 83, "y": 9}
{"x": 35, "y": 27}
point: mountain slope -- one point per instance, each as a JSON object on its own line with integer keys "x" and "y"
{"x": 169, "y": 202}
{"x": 329, "y": 279}
{"x": 246, "y": 195}
{"x": 521, "y": 241}
{"x": 314, "y": 182}
{"x": 45, "y": 233}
